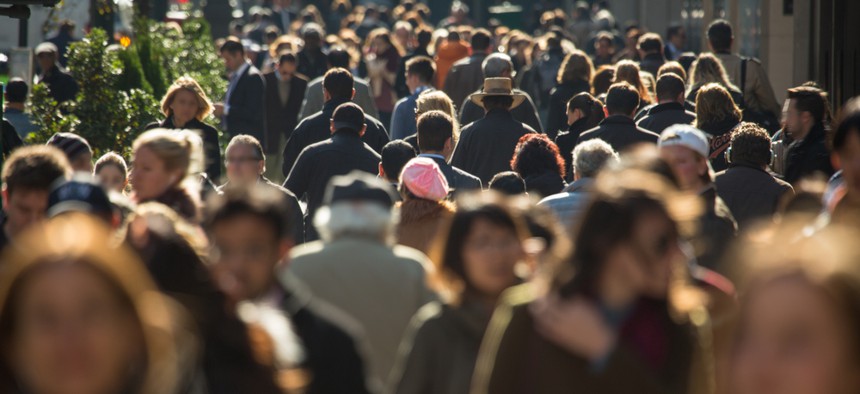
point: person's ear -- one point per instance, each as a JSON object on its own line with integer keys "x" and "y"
{"x": 284, "y": 247}
{"x": 381, "y": 171}
{"x": 261, "y": 167}
{"x": 680, "y": 99}
{"x": 352, "y": 96}
{"x": 332, "y": 126}
{"x": 834, "y": 161}
{"x": 449, "y": 144}
{"x": 363, "y": 129}
{"x": 5, "y": 193}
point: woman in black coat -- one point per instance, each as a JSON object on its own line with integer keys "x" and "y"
{"x": 584, "y": 112}
{"x": 185, "y": 106}
{"x": 574, "y": 77}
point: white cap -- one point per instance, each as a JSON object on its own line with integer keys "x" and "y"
{"x": 686, "y": 136}
{"x": 46, "y": 47}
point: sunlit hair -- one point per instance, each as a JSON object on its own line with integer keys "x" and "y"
{"x": 672, "y": 67}
{"x": 204, "y": 106}
{"x": 535, "y": 154}
{"x": 437, "y": 100}
{"x": 628, "y": 71}
{"x": 575, "y": 66}
{"x": 178, "y": 150}
{"x": 714, "y": 104}
{"x": 602, "y": 79}
{"x": 111, "y": 159}
{"x": 359, "y": 219}
{"x": 84, "y": 242}
{"x": 708, "y": 69}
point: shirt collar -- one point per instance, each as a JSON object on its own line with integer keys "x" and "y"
{"x": 246, "y": 65}
{"x": 432, "y": 155}
{"x": 421, "y": 88}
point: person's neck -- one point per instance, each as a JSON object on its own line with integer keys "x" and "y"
{"x": 434, "y": 152}
{"x": 179, "y": 123}
{"x": 18, "y": 106}
{"x": 667, "y": 102}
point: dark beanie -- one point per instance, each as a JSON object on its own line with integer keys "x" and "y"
{"x": 71, "y": 144}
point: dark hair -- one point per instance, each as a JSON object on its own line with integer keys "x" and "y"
{"x": 450, "y": 277}
{"x": 673, "y": 30}
{"x": 750, "y": 144}
{"x": 498, "y": 102}
{"x": 602, "y": 80}
{"x": 850, "y": 123}
{"x": 111, "y": 159}
{"x": 266, "y": 204}
{"x": 453, "y": 35}
{"x": 810, "y": 99}
{"x": 395, "y": 155}
{"x": 422, "y": 66}
{"x": 67, "y": 26}
{"x": 287, "y": 57}
{"x": 434, "y": 128}
{"x": 650, "y": 42}
{"x": 35, "y": 167}
{"x": 16, "y": 90}
{"x": 247, "y": 140}
{"x": 232, "y": 45}
{"x": 592, "y": 109}
{"x": 338, "y": 58}
{"x": 535, "y": 154}
{"x": 481, "y": 40}
{"x": 508, "y": 182}
{"x": 622, "y": 98}
{"x": 424, "y": 37}
{"x": 720, "y": 35}
{"x": 338, "y": 83}
{"x": 669, "y": 87}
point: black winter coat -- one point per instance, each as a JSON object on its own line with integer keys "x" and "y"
{"x": 458, "y": 180}
{"x": 659, "y": 117}
{"x": 486, "y": 146}
{"x": 750, "y": 193}
{"x": 808, "y": 156}
{"x": 619, "y": 131}
{"x": 558, "y": 98}
{"x": 566, "y": 141}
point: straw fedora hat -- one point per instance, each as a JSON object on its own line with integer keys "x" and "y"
{"x": 497, "y": 87}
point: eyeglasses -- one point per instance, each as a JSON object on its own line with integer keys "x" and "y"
{"x": 241, "y": 160}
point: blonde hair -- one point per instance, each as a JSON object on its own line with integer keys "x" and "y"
{"x": 437, "y": 100}
{"x": 708, "y": 69}
{"x": 204, "y": 106}
{"x": 628, "y": 71}
{"x": 713, "y": 104}
{"x": 177, "y": 149}
{"x": 576, "y": 65}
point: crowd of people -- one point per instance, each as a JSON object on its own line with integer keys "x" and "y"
{"x": 408, "y": 208}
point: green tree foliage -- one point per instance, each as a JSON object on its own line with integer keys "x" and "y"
{"x": 132, "y": 76}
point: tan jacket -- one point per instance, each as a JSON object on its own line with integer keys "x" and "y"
{"x": 758, "y": 93}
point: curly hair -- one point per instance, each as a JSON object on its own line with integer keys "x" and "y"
{"x": 713, "y": 104}
{"x": 536, "y": 153}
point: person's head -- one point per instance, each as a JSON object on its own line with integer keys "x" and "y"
{"x": 338, "y": 84}
{"x": 47, "y": 55}
{"x": 628, "y": 71}
{"x": 395, "y": 155}
{"x": 16, "y": 91}
{"x": 575, "y": 66}
{"x": 709, "y": 69}
{"x": 672, "y": 67}
{"x": 357, "y": 205}
{"x": 287, "y": 64}
{"x": 498, "y": 65}
{"x": 602, "y": 80}
{"x": 338, "y": 57}
{"x": 233, "y": 53}
{"x": 476, "y": 257}
{"x": 670, "y": 89}
{"x": 622, "y": 99}
{"x": 249, "y": 228}
{"x": 604, "y": 45}
{"x": 67, "y": 26}
{"x": 720, "y": 36}
{"x": 481, "y": 40}
{"x": 508, "y": 183}
{"x": 846, "y": 147}
{"x": 798, "y": 326}
{"x": 244, "y": 160}
{"x": 419, "y": 72}
{"x": 312, "y": 35}
{"x": 162, "y": 159}
{"x": 750, "y": 145}
{"x": 497, "y": 94}
{"x": 715, "y": 104}
{"x": 590, "y": 157}
{"x": 28, "y": 175}
{"x": 676, "y": 35}
{"x": 422, "y": 179}
{"x": 380, "y": 40}
{"x": 650, "y": 43}
{"x": 806, "y": 108}
{"x": 185, "y": 100}
{"x": 627, "y": 241}
{"x": 348, "y": 118}
{"x": 686, "y": 150}
{"x": 77, "y": 150}
{"x": 584, "y": 106}
{"x": 79, "y": 314}
{"x": 112, "y": 172}
{"x": 536, "y": 154}
{"x": 436, "y": 133}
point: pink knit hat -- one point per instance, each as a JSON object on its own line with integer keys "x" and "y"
{"x": 424, "y": 179}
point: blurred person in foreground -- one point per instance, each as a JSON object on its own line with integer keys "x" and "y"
{"x": 845, "y": 205}
{"x": 76, "y": 149}
{"x": 112, "y": 172}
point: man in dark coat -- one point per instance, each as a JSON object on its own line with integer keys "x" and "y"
{"x": 618, "y": 129}
{"x": 337, "y": 89}
{"x": 65, "y": 37}
{"x": 423, "y": 36}
{"x": 804, "y": 122}
{"x": 285, "y": 91}
{"x": 339, "y": 155}
{"x": 487, "y": 145}
{"x": 242, "y": 111}
{"x": 650, "y": 48}
{"x": 257, "y": 219}
{"x": 670, "y": 108}
{"x": 312, "y": 59}
{"x": 748, "y": 189}
{"x": 499, "y": 65}
{"x": 435, "y": 140}
{"x": 466, "y": 75}
{"x": 62, "y": 85}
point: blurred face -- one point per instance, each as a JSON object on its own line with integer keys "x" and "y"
{"x": 46, "y": 61}
{"x": 490, "y": 254}
{"x": 246, "y": 253}
{"x": 380, "y": 44}
{"x": 679, "y": 39}
{"x": 791, "y": 341}
{"x": 23, "y": 208}
{"x": 184, "y": 107}
{"x": 243, "y": 165}
{"x": 286, "y": 70}
{"x": 149, "y": 177}
{"x": 849, "y": 161}
{"x": 797, "y": 123}
{"x": 112, "y": 178}
{"x": 83, "y": 162}
{"x": 232, "y": 61}
{"x": 72, "y": 335}
{"x": 687, "y": 166}
{"x": 645, "y": 262}
{"x": 603, "y": 48}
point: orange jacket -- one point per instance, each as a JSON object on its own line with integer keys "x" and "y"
{"x": 448, "y": 53}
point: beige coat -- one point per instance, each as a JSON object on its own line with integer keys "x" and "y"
{"x": 758, "y": 93}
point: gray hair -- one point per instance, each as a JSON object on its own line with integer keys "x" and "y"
{"x": 358, "y": 219}
{"x": 496, "y": 64}
{"x": 592, "y": 155}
